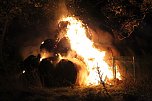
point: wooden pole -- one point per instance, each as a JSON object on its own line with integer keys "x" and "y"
{"x": 134, "y": 68}
{"x": 114, "y": 69}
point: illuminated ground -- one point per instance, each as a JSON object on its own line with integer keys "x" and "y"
{"x": 15, "y": 92}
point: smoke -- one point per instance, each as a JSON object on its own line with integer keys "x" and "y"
{"x": 30, "y": 40}
{"x": 103, "y": 40}
{"x": 62, "y": 10}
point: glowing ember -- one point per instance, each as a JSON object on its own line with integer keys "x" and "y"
{"x": 44, "y": 54}
{"x": 92, "y": 57}
{"x": 42, "y": 42}
{"x": 23, "y": 71}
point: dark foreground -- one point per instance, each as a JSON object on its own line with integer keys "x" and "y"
{"x": 15, "y": 92}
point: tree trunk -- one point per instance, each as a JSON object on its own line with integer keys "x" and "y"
{"x": 2, "y": 36}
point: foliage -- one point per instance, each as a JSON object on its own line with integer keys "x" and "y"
{"x": 121, "y": 17}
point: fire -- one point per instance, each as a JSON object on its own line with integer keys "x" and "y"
{"x": 91, "y": 56}
{"x": 44, "y": 54}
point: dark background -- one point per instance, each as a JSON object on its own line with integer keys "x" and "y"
{"x": 25, "y": 24}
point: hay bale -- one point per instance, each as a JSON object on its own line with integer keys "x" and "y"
{"x": 28, "y": 69}
{"x": 63, "y": 46}
{"x": 46, "y": 73}
{"x": 48, "y": 45}
{"x": 31, "y": 63}
{"x": 65, "y": 73}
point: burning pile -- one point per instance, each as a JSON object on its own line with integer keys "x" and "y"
{"x": 83, "y": 52}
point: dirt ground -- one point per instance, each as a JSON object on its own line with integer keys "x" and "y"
{"x": 75, "y": 93}
{"x": 11, "y": 89}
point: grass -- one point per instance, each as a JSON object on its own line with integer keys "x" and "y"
{"x": 95, "y": 93}
{"x": 12, "y": 89}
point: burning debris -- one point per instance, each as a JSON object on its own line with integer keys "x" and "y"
{"x": 73, "y": 58}
{"x": 85, "y": 51}
{"x": 47, "y": 49}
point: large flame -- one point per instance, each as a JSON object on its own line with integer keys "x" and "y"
{"x": 92, "y": 57}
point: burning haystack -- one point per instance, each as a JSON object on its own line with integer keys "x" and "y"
{"x": 76, "y": 62}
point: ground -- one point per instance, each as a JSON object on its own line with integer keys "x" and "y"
{"x": 11, "y": 91}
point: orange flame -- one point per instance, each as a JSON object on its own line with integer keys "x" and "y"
{"x": 45, "y": 54}
{"x": 92, "y": 57}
